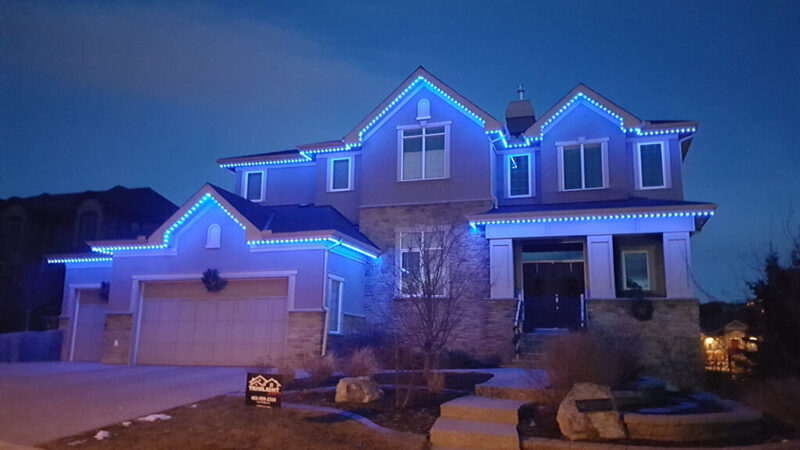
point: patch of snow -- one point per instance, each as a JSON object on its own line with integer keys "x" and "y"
{"x": 102, "y": 434}
{"x": 127, "y": 423}
{"x": 194, "y": 405}
{"x": 154, "y": 417}
{"x": 74, "y": 443}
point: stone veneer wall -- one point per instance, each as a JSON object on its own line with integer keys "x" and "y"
{"x": 304, "y": 336}
{"x": 486, "y": 330}
{"x": 669, "y": 342}
{"x": 119, "y": 328}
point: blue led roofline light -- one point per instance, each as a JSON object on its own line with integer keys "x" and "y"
{"x": 474, "y": 224}
{"x": 78, "y": 260}
{"x": 312, "y": 240}
{"x": 168, "y": 233}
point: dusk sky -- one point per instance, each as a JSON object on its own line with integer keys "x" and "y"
{"x": 96, "y": 94}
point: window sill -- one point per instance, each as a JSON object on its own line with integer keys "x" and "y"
{"x": 423, "y": 179}
{"x": 333, "y": 191}
{"x": 585, "y": 189}
{"x": 650, "y": 188}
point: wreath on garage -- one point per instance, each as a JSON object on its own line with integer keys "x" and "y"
{"x": 212, "y": 280}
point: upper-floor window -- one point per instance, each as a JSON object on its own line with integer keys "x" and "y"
{"x": 519, "y": 179}
{"x": 423, "y": 152}
{"x": 254, "y": 186}
{"x": 651, "y": 165}
{"x": 583, "y": 165}
{"x": 340, "y": 174}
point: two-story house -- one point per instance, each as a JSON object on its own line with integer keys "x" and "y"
{"x": 574, "y": 215}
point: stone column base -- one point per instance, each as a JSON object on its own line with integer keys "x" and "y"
{"x": 304, "y": 336}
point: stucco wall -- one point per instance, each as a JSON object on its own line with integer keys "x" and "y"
{"x": 346, "y": 202}
{"x": 470, "y": 177}
{"x": 353, "y": 274}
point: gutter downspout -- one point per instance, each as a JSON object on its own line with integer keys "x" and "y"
{"x": 325, "y": 297}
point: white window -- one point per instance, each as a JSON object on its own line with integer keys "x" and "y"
{"x": 421, "y": 262}
{"x": 519, "y": 180}
{"x": 583, "y": 165}
{"x": 340, "y": 174}
{"x": 423, "y": 152}
{"x": 254, "y": 186}
{"x": 635, "y": 270}
{"x": 213, "y": 236}
{"x": 334, "y": 303}
{"x": 651, "y": 165}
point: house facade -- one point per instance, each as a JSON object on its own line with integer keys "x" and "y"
{"x": 32, "y": 227}
{"x": 573, "y": 217}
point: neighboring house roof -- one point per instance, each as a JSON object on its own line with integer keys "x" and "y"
{"x": 600, "y": 209}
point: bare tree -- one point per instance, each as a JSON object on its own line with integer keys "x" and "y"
{"x": 435, "y": 278}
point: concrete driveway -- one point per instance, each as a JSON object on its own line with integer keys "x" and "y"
{"x": 43, "y": 401}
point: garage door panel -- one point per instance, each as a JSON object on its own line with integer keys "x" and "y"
{"x": 213, "y": 329}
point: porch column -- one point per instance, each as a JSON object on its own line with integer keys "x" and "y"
{"x": 600, "y": 259}
{"x": 501, "y": 268}
{"x": 677, "y": 265}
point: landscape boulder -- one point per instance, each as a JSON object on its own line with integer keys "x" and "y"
{"x": 357, "y": 390}
{"x": 589, "y": 413}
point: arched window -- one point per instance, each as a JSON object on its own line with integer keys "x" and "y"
{"x": 424, "y": 109}
{"x": 212, "y": 239}
{"x": 87, "y": 227}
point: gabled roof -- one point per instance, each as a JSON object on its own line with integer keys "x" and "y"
{"x": 578, "y": 93}
{"x": 259, "y": 222}
{"x": 420, "y": 76}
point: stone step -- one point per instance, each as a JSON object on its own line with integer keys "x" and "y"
{"x": 448, "y": 432}
{"x": 473, "y": 407}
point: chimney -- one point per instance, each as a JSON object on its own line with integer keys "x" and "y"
{"x": 519, "y": 114}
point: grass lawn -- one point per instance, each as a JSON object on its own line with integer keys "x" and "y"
{"x": 227, "y": 423}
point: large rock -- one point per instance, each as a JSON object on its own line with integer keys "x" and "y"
{"x": 589, "y": 413}
{"x": 358, "y": 390}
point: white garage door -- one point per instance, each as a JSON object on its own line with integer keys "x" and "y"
{"x": 184, "y": 324}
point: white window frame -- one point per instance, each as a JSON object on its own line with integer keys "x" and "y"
{"x": 349, "y": 187}
{"x": 423, "y": 126}
{"x": 399, "y": 257}
{"x": 647, "y": 264}
{"x": 665, "y": 173}
{"x": 328, "y": 287}
{"x": 530, "y": 175}
{"x": 583, "y": 142}
{"x": 245, "y": 178}
{"x": 214, "y": 236}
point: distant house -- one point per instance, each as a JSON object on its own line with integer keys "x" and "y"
{"x": 574, "y": 215}
{"x": 33, "y": 227}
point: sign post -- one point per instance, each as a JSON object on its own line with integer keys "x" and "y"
{"x": 263, "y": 390}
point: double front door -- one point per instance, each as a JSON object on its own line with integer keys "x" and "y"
{"x": 552, "y": 294}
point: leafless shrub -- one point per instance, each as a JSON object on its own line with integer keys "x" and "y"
{"x": 320, "y": 368}
{"x": 362, "y": 363}
{"x": 436, "y": 382}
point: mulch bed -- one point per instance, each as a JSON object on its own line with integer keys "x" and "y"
{"x": 422, "y": 408}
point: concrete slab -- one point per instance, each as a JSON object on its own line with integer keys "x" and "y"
{"x": 483, "y": 409}
{"x": 43, "y": 401}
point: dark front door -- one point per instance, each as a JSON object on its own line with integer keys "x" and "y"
{"x": 552, "y": 294}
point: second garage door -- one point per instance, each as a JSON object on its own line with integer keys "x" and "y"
{"x": 184, "y": 324}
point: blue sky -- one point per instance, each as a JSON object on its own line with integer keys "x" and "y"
{"x": 95, "y": 94}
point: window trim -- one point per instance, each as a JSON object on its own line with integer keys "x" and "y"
{"x": 531, "y": 192}
{"x": 582, "y": 142}
{"x": 328, "y": 288}
{"x": 401, "y": 128}
{"x": 665, "y": 173}
{"x": 331, "y": 161}
{"x": 245, "y": 180}
{"x": 625, "y": 287}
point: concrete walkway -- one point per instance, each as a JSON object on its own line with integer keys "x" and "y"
{"x": 43, "y": 401}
